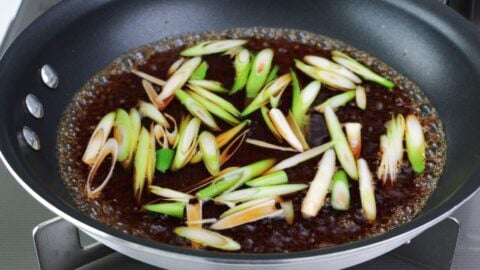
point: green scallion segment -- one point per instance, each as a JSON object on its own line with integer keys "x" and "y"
{"x": 336, "y": 101}
{"x": 201, "y": 72}
{"x": 341, "y": 146}
{"x": 173, "y": 209}
{"x": 415, "y": 141}
{"x": 329, "y": 78}
{"x": 196, "y": 109}
{"x": 360, "y": 69}
{"x": 268, "y": 122}
{"x": 212, "y": 47}
{"x": 275, "y": 178}
{"x": 340, "y": 198}
{"x": 209, "y": 85}
{"x": 207, "y": 238}
{"x": 273, "y": 74}
{"x": 215, "y": 109}
{"x": 302, "y": 100}
{"x": 210, "y": 152}
{"x": 260, "y": 69}
{"x": 242, "y": 66}
{"x": 164, "y": 159}
{"x": 141, "y": 163}
{"x": 253, "y": 193}
{"x": 122, "y": 132}
{"x": 187, "y": 144}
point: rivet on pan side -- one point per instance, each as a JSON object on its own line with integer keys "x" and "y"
{"x": 49, "y": 76}
{"x": 31, "y": 138}
{"x": 34, "y": 106}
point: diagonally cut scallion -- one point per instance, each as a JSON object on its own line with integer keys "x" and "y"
{"x": 272, "y": 89}
{"x": 340, "y": 198}
{"x": 173, "y": 209}
{"x": 187, "y": 144}
{"x": 275, "y": 178}
{"x": 210, "y": 152}
{"x": 259, "y": 71}
{"x": 415, "y": 141}
{"x": 98, "y": 138}
{"x": 201, "y": 72}
{"x": 196, "y": 109}
{"x": 253, "y": 193}
{"x": 329, "y": 78}
{"x": 336, "y": 101}
{"x": 367, "y": 190}
{"x": 209, "y": 85}
{"x": 215, "y": 109}
{"x": 207, "y": 238}
{"x": 213, "y": 47}
{"x": 242, "y": 66}
{"x": 109, "y": 148}
{"x": 122, "y": 133}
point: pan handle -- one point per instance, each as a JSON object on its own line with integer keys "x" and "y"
{"x": 58, "y": 246}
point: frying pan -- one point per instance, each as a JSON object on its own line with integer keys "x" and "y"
{"x": 423, "y": 40}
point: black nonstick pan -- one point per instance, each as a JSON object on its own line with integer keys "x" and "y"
{"x": 427, "y": 42}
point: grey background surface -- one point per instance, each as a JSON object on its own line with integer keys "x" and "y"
{"x": 20, "y": 213}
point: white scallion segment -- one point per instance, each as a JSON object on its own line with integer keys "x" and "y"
{"x": 361, "y": 97}
{"x": 273, "y": 88}
{"x": 109, "y": 148}
{"x": 275, "y": 178}
{"x": 150, "y": 91}
{"x": 122, "y": 132}
{"x": 323, "y": 63}
{"x": 213, "y": 47}
{"x": 207, "y": 238}
{"x": 267, "y": 145}
{"x": 186, "y": 144}
{"x": 242, "y": 66}
{"x": 340, "y": 144}
{"x": 297, "y": 131}
{"x": 354, "y": 137}
{"x": 301, "y": 157}
{"x": 152, "y": 156}
{"x": 196, "y": 109}
{"x": 282, "y": 126}
{"x": 202, "y": 221}
{"x": 259, "y": 211}
{"x": 210, "y": 152}
{"x": 226, "y": 105}
{"x": 174, "y": 67}
{"x": 391, "y": 147}
{"x": 169, "y": 193}
{"x": 136, "y": 123}
{"x": 178, "y": 79}
{"x": 329, "y": 78}
{"x": 315, "y": 198}
{"x": 360, "y": 69}
{"x": 149, "y": 77}
{"x": 245, "y": 205}
{"x": 258, "y": 75}
{"x": 288, "y": 211}
{"x": 194, "y": 218}
{"x": 367, "y": 191}
{"x": 266, "y": 118}
{"x": 98, "y": 138}
{"x": 248, "y": 194}
{"x": 150, "y": 111}
{"x": 209, "y": 85}
{"x": 305, "y": 100}
{"x": 251, "y": 171}
{"x": 336, "y": 101}
{"x": 141, "y": 163}
{"x": 415, "y": 141}
{"x": 340, "y": 197}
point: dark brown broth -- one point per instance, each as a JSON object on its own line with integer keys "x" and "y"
{"x": 116, "y": 205}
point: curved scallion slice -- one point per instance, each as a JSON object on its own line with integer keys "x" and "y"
{"x": 367, "y": 191}
{"x": 210, "y": 152}
{"x": 248, "y": 194}
{"x": 201, "y": 72}
{"x": 213, "y": 47}
{"x": 122, "y": 132}
{"x": 242, "y": 66}
{"x": 173, "y": 209}
{"x": 283, "y": 127}
{"x": 361, "y": 97}
{"x": 141, "y": 163}
{"x": 302, "y": 100}
{"x": 150, "y": 111}
{"x": 109, "y": 148}
{"x": 415, "y": 141}
{"x": 326, "y": 77}
{"x": 340, "y": 198}
{"x": 164, "y": 159}
{"x": 209, "y": 85}
{"x": 196, "y": 109}
{"x": 215, "y": 109}
{"x": 174, "y": 67}
{"x": 315, "y": 198}
{"x": 340, "y": 144}
{"x": 336, "y": 101}
{"x": 207, "y": 238}
{"x": 258, "y": 75}
{"x": 301, "y": 157}
{"x": 354, "y": 137}
{"x": 268, "y": 122}
{"x": 271, "y": 89}
{"x": 360, "y": 69}
{"x": 186, "y": 144}
{"x": 177, "y": 80}
{"x": 275, "y": 178}
{"x": 259, "y": 211}
{"x": 98, "y": 138}
{"x": 225, "y": 104}
{"x": 169, "y": 193}
{"x": 323, "y": 63}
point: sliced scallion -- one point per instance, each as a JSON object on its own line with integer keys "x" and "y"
{"x": 259, "y": 71}
{"x": 186, "y": 144}
{"x": 340, "y": 198}
{"x": 260, "y": 192}
{"x": 209, "y": 85}
{"x": 275, "y": 178}
{"x": 242, "y": 66}
{"x": 336, "y": 101}
{"x": 210, "y": 152}
{"x": 415, "y": 141}
{"x": 367, "y": 191}
{"x": 173, "y": 209}
{"x": 98, "y": 138}
{"x": 329, "y": 78}
{"x": 201, "y": 72}
{"x": 207, "y": 238}
{"x": 164, "y": 159}
{"x": 213, "y": 47}
{"x": 196, "y": 109}
{"x": 272, "y": 89}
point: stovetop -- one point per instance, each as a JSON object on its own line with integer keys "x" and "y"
{"x": 21, "y": 213}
